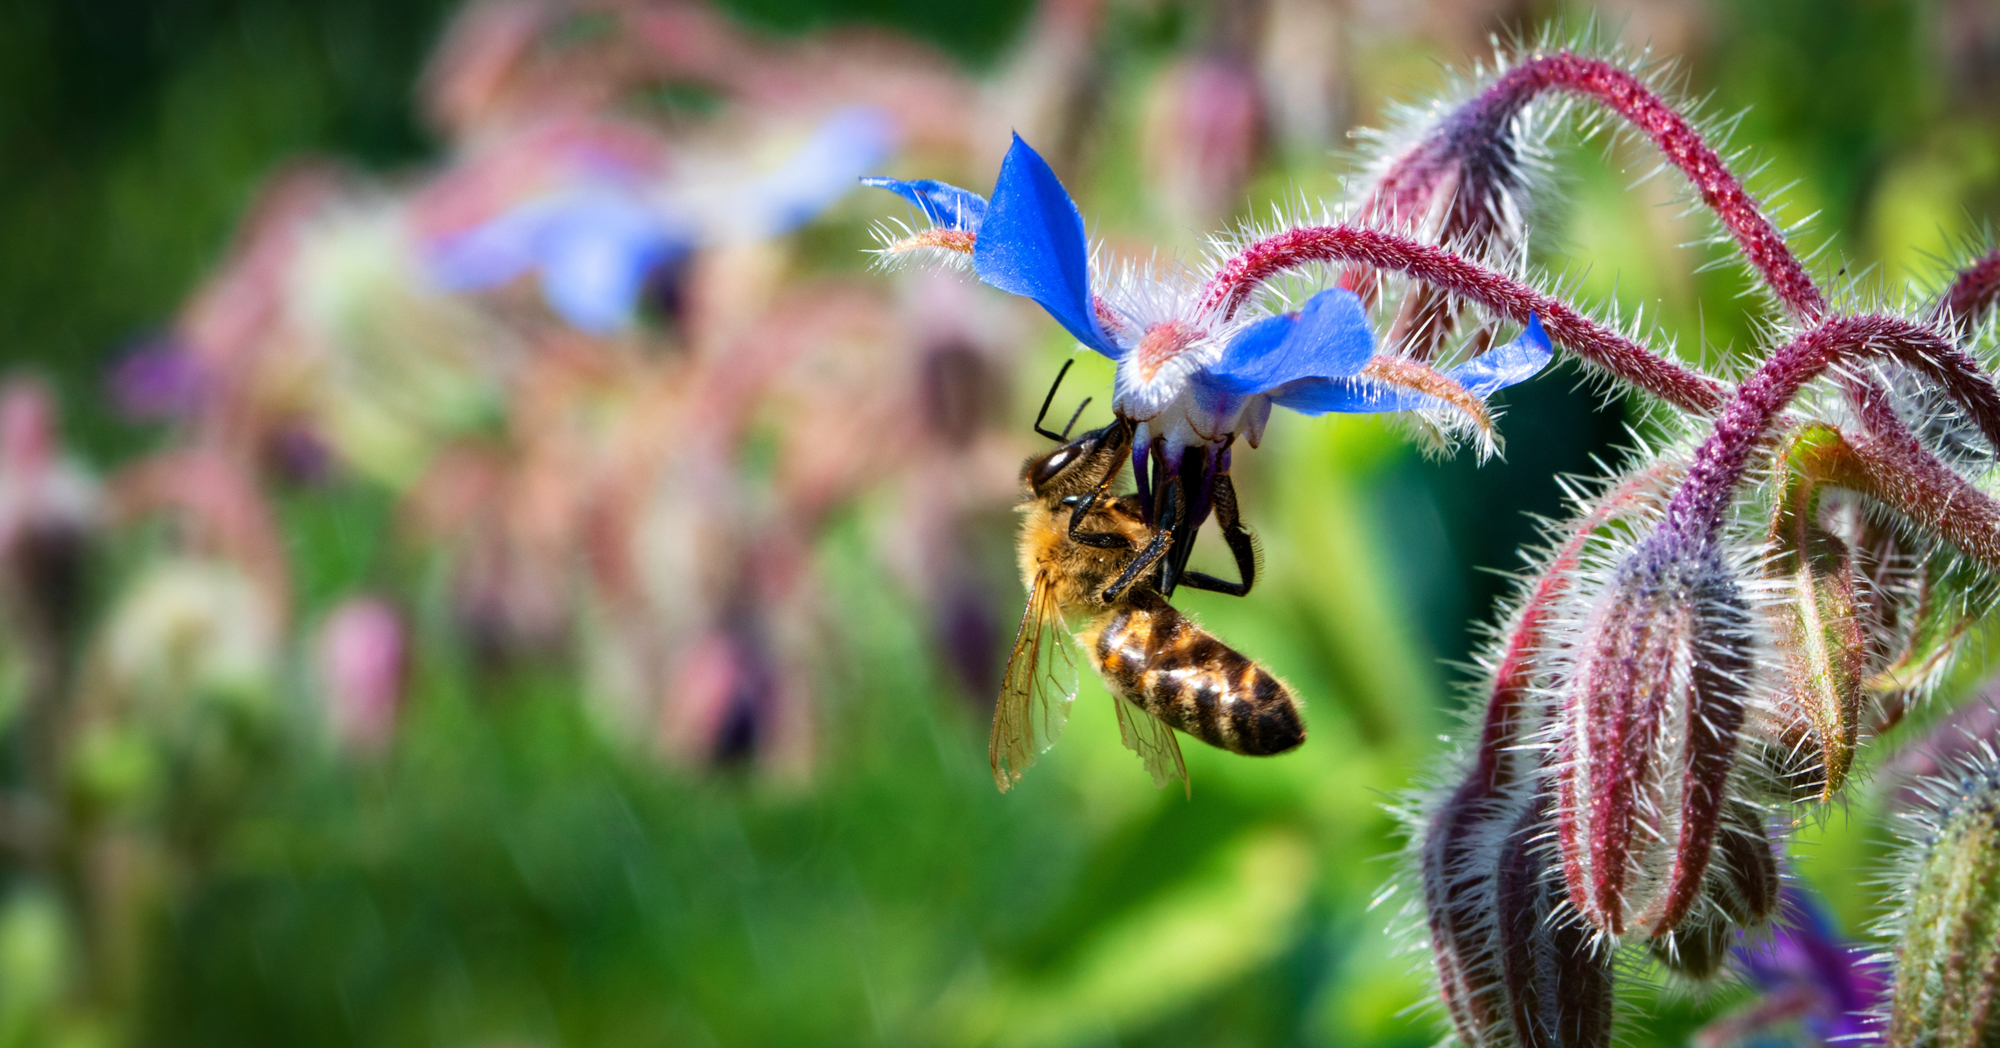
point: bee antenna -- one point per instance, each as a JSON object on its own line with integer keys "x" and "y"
{"x": 1063, "y": 437}
{"x": 1073, "y": 418}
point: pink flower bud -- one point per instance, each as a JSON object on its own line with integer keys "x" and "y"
{"x": 1203, "y": 129}
{"x": 48, "y": 510}
{"x": 1647, "y": 730}
{"x": 362, "y": 663}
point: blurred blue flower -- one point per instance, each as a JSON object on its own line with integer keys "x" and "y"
{"x": 1805, "y": 975}
{"x": 1188, "y": 369}
{"x": 594, "y": 244}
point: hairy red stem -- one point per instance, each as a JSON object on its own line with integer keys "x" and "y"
{"x": 1471, "y": 138}
{"x": 1624, "y": 94}
{"x": 1898, "y": 473}
{"x": 1502, "y": 294}
{"x": 1697, "y": 508}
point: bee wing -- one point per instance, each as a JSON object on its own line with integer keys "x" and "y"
{"x": 1154, "y": 742}
{"x": 1040, "y": 686}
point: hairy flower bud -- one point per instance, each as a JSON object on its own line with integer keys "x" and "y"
{"x": 362, "y": 663}
{"x": 1741, "y": 892}
{"x": 1201, "y": 136}
{"x": 1947, "y": 989}
{"x": 1647, "y": 735}
{"x": 1818, "y": 631}
{"x": 1515, "y": 967}
{"x": 1457, "y": 865}
{"x": 1557, "y": 975}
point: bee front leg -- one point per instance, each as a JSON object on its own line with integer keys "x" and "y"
{"x": 1083, "y": 505}
{"x": 1241, "y": 546}
{"x": 1162, "y": 543}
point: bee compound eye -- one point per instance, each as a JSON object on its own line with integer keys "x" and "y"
{"x": 1047, "y": 469}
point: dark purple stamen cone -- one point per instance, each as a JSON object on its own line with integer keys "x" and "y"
{"x": 1558, "y": 982}
{"x": 1648, "y": 729}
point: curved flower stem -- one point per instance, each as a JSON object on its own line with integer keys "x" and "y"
{"x": 1697, "y": 508}
{"x": 1623, "y": 94}
{"x": 1603, "y": 347}
{"x": 1483, "y": 119}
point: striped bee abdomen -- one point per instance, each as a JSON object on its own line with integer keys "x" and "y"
{"x": 1153, "y": 656}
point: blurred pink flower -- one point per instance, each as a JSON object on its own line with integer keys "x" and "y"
{"x": 1204, "y": 126}
{"x": 362, "y": 666}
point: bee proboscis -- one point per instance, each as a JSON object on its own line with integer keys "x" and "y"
{"x": 1163, "y": 670}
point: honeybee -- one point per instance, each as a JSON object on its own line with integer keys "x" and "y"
{"x": 1086, "y": 555}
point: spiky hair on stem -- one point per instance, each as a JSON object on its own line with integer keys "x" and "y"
{"x": 1669, "y": 654}
{"x": 900, "y": 245}
{"x": 1462, "y": 171}
{"x": 1944, "y": 934}
{"x": 1966, "y": 297}
{"x": 1253, "y": 263}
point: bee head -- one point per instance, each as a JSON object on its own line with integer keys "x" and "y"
{"x": 1078, "y": 465}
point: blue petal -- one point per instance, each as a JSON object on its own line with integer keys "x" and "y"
{"x": 1515, "y": 362}
{"x": 1330, "y": 338}
{"x": 848, "y": 143}
{"x": 945, "y": 206}
{"x": 1032, "y": 244}
{"x": 595, "y": 284}
{"x": 1353, "y": 396}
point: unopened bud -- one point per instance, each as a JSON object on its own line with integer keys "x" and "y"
{"x": 1458, "y": 877}
{"x": 1515, "y": 966}
{"x": 1647, "y": 736}
{"x": 1742, "y": 892}
{"x": 1947, "y": 988}
{"x": 1556, "y": 972}
{"x": 1818, "y": 628}
{"x": 1201, "y": 136}
{"x": 1462, "y": 184}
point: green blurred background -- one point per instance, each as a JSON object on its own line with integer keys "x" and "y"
{"x": 506, "y": 877}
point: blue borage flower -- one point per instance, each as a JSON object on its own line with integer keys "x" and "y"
{"x": 1188, "y": 374}
{"x": 594, "y": 243}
